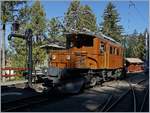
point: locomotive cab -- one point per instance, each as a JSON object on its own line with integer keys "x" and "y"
{"x": 79, "y": 40}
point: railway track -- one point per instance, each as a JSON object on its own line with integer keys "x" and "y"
{"x": 21, "y": 103}
{"x": 109, "y": 105}
{"x": 26, "y": 103}
{"x": 112, "y": 102}
{"x": 144, "y": 100}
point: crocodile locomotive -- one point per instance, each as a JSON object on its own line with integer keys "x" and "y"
{"x": 90, "y": 58}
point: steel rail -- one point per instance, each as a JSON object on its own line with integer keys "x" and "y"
{"x": 142, "y": 106}
{"x": 116, "y": 102}
{"x": 134, "y": 97}
{"x": 108, "y": 101}
{"x": 24, "y": 105}
{"x": 31, "y": 101}
{"x": 26, "y": 102}
{"x": 121, "y": 97}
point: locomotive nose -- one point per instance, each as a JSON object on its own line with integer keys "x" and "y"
{"x": 54, "y": 74}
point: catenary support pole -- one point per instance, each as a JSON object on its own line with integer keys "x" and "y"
{"x": 0, "y": 43}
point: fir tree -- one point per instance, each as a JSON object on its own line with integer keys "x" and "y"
{"x": 79, "y": 17}
{"x": 55, "y": 29}
{"x": 87, "y": 20}
{"x": 110, "y": 26}
{"x": 72, "y": 15}
{"x": 38, "y": 20}
{"x": 136, "y": 46}
{"x": 34, "y": 18}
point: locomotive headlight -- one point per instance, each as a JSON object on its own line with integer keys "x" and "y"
{"x": 45, "y": 70}
{"x": 68, "y": 57}
{"x": 53, "y": 57}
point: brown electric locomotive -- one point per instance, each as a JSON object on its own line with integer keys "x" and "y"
{"x": 88, "y": 57}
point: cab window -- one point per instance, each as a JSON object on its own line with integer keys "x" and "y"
{"x": 102, "y": 47}
{"x": 111, "y": 50}
{"x": 114, "y": 50}
{"x": 117, "y": 51}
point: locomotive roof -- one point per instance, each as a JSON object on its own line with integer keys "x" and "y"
{"x": 100, "y": 35}
{"x": 52, "y": 46}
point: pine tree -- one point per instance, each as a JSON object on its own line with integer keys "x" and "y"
{"x": 55, "y": 29}
{"x": 7, "y": 8}
{"x": 88, "y": 19}
{"x": 136, "y": 45}
{"x": 38, "y": 20}
{"x": 110, "y": 26}
{"x": 6, "y": 16}
{"x": 79, "y": 17}
{"x": 34, "y": 18}
{"x": 72, "y": 15}
{"x": 18, "y": 52}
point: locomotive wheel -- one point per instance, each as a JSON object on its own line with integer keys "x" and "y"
{"x": 93, "y": 81}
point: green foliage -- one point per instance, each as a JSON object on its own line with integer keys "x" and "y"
{"x": 38, "y": 54}
{"x": 55, "y": 30}
{"x": 6, "y": 7}
{"x": 38, "y": 20}
{"x": 136, "y": 47}
{"x": 7, "y": 16}
{"x": 79, "y": 17}
{"x": 34, "y": 18}
{"x": 87, "y": 20}
{"x": 18, "y": 52}
{"x": 71, "y": 17}
{"x": 110, "y": 26}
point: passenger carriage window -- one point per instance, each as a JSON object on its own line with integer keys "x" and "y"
{"x": 102, "y": 47}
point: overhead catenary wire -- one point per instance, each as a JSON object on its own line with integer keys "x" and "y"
{"x": 143, "y": 18}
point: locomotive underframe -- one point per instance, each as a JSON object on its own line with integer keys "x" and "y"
{"x": 91, "y": 77}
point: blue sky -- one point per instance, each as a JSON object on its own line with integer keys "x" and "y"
{"x": 131, "y": 17}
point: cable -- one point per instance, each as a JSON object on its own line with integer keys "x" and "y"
{"x": 137, "y": 10}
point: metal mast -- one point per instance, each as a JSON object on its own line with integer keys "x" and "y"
{"x": 3, "y": 41}
{"x": 0, "y": 39}
{"x": 146, "y": 46}
{"x": 3, "y": 46}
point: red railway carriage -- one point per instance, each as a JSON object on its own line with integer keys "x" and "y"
{"x": 134, "y": 65}
{"x": 93, "y": 57}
